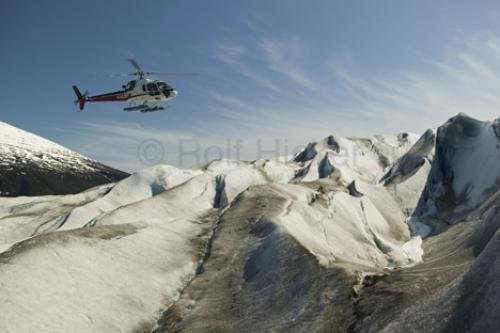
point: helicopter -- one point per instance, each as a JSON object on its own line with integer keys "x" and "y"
{"x": 143, "y": 94}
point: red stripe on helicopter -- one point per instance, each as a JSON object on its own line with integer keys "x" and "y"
{"x": 112, "y": 98}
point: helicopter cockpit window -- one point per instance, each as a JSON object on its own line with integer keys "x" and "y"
{"x": 130, "y": 85}
{"x": 152, "y": 87}
{"x": 163, "y": 86}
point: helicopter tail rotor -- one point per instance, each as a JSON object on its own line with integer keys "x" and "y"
{"x": 81, "y": 98}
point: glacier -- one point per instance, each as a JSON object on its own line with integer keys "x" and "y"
{"x": 351, "y": 234}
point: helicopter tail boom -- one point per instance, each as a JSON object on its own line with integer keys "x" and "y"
{"x": 81, "y": 99}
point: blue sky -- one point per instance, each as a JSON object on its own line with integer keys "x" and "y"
{"x": 269, "y": 72}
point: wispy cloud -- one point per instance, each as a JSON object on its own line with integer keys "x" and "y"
{"x": 282, "y": 57}
{"x": 232, "y": 55}
{"x": 465, "y": 79}
{"x": 229, "y": 53}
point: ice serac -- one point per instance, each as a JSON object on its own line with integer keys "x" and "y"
{"x": 455, "y": 288}
{"x": 406, "y": 178}
{"x": 412, "y": 161}
{"x": 465, "y": 169}
{"x": 32, "y": 165}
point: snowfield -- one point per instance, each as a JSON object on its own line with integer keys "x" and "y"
{"x": 270, "y": 245}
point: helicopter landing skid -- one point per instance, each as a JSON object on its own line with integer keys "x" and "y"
{"x": 144, "y": 108}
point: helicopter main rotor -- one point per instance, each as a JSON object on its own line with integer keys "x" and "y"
{"x": 141, "y": 73}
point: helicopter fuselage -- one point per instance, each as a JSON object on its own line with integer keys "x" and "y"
{"x": 140, "y": 91}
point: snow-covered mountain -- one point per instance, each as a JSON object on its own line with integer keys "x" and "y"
{"x": 328, "y": 241}
{"x": 32, "y": 165}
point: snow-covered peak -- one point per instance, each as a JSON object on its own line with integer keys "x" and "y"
{"x": 32, "y": 165}
{"x": 11, "y": 136}
{"x": 21, "y": 147}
